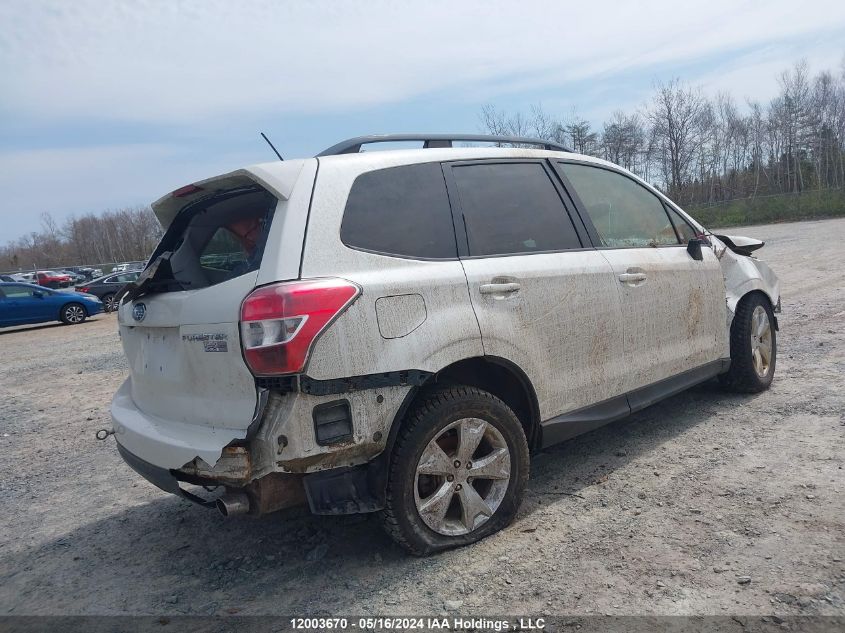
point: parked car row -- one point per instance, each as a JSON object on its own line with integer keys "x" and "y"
{"x": 86, "y": 272}
{"x": 26, "y": 303}
{"x": 58, "y": 278}
{"x": 35, "y": 302}
{"x": 128, "y": 266}
{"x": 46, "y": 278}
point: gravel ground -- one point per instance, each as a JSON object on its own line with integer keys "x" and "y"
{"x": 708, "y": 503}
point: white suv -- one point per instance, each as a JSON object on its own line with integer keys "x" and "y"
{"x": 396, "y": 331}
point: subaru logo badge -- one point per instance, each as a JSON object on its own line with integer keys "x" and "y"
{"x": 139, "y": 312}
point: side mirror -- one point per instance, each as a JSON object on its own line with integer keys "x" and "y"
{"x": 38, "y": 294}
{"x": 694, "y": 249}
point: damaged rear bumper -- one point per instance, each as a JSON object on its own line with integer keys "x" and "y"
{"x": 338, "y": 491}
{"x": 160, "y": 477}
{"x": 166, "y": 444}
{"x": 171, "y": 454}
{"x": 272, "y": 492}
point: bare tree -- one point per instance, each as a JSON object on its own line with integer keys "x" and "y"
{"x": 677, "y": 118}
{"x": 122, "y": 235}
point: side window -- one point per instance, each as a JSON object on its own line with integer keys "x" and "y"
{"x": 124, "y": 278}
{"x": 684, "y": 228}
{"x": 19, "y": 292}
{"x": 625, "y": 213}
{"x": 512, "y": 208}
{"x": 400, "y": 211}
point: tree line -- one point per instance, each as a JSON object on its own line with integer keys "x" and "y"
{"x": 700, "y": 150}
{"x": 121, "y": 235}
{"x": 705, "y": 150}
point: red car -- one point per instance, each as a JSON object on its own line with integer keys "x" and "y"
{"x": 50, "y": 279}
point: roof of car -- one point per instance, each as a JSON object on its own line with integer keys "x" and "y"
{"x": 449, "y": 154}
{"x": 431, "y": 140}
{"x": 23, "y": 283}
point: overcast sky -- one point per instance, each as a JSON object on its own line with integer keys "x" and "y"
{"x": 111, "y": 104}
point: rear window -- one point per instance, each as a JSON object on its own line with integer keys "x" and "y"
{"x": 400, "y": 211}
{"x": 512, "y": 208}
{"x": 215, "y": 239}
{"x": 124, "y": 278}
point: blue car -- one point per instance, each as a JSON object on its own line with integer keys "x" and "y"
{"x": 22, "y": 303}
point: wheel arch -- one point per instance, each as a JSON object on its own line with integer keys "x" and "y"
{"x": 744, "y": 275}
{"x": 499, "y": 376}
{"x": 751, "y": 286}
{"x": 757, "y": 289}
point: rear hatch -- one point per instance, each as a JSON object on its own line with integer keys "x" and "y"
{"x": 179, "y": 320}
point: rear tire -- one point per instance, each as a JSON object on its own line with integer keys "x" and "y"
{"x": 753, "y": 346}
{"x": 72, "y": 314}
{"x": 108, "y": 302}
{"x": 457, "y": 473}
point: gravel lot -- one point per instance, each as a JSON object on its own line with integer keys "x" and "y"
{"x": 708, "y": 503}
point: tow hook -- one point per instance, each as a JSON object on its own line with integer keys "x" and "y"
{"x": 103, "y": 434}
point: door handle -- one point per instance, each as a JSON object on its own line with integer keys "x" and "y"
{"x": 627, "y": 278}
{"x": 497, "y": 289}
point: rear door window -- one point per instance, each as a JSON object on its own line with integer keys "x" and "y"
{"x": 400, "y": 211}
{"x": 512, "y": 208}
{"x": 624, "y": 213}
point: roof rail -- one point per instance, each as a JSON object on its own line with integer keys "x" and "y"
{"x": 353, "y": 145}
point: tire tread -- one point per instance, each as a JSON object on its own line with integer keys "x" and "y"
{"x": 742, "y": 377}
{"x": 426, "y": 406}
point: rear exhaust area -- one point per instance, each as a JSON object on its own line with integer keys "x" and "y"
{"x": 233, "y": 503}
{"x": 272, "y": 492}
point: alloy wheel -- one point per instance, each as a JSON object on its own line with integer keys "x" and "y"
{"x": 462, "y": 477}
{"x": 761, "y": 341}
{"x": 74, "y": 314}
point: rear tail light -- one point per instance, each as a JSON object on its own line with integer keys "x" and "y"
{"x": 280, "y": 322}
{"x": 82, "y": 289}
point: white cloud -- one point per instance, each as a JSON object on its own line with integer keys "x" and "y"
{"x": 755, "y": 76}
{"x": 211, "y": 68}
{"x": 179, "y": 62}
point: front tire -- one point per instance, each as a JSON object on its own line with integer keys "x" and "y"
{"x": 72, "y": 314}
{"x": 753, "y": 346}
{"x": 457, "y": 473}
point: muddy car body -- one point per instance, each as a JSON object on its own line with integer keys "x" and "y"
{"x": 395, "y": 331}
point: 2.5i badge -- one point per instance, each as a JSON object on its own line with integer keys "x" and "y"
{"x": 216, "y": 346}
